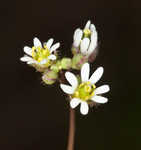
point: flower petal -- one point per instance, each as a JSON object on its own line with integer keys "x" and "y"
{"x": 71, "y": 79}
{"x": 37, "y": 42}
{"x": 84, "y": 45}
{"x": 87, "y": 24}
{"x": 102, "y": 89}
{"x": 44, "y": 61}
{"x": 49, "y": 43}
{"x": 54, "y": 47}
{"x": 96, "y": 75}
{"x": 84, "y": 108}
{"x": 77, "y": 39}
{"x": 74, "y": 102}
{"x": 92, "y": 27}
{"x": 75, "y": 33}
{"x": 32, "y": 62}
{"x": 93, "y": 43}
{"x": 28, "y": 50}
{"x": 52, "y": 57}
{"x": 85, "y": 70}
{"x": 26, "y": 58}
{"x": 67, "y": 89}
{"x": 99, "y": 99}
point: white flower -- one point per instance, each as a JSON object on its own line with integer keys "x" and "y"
{"x": 86, "y": 39}
{"x": 39, "y": 54}
{"x": 85, "y": 91}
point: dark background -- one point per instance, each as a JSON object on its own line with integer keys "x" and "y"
{"x": 34, "y": 116}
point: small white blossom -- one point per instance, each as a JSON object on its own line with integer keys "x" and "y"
{"x": 39, "y": 54}
{"x": 85, "y": 91}
{"x": 86, "y": 39}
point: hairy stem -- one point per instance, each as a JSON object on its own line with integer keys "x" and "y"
{"x": 71, "y": 130}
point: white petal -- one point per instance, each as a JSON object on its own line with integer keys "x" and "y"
{"x": 26, "y": 58}
{"x": 87, "y": 24}
{"x": 71, "y": 79}
{"x": 92, "y": 27}
{"x": 37, "y": 42}
{"x": 52, "y": 57}
{"x": 93, "y": 43}
{"x": 28, "y": 50}
{"x": 74, "y": 102}
{"x": 84, "y": 108}
{"x": 78, "y": 38}
{"x": 99, "y": 99}
{"x": 75, "y": 33}
{"x": 32, "y": 62}
{"x": 67, "y": 89}
{"x": 54, "y": 47}
{"x": 96, "y": 75}
{"x": 85, "y": 70}
{"x": 84, "y": 45}
{"x": 49, "y": 43}
{"x": 102, "y": 89}
{"x": 44, "y": 61}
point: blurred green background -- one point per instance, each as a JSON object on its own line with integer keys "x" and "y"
{"x": 34, "y": 116}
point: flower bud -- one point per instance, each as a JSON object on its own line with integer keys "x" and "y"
{"x": 78, "y": 60}
{"x": 66, "y": 63}
{"x": 85, "y": 41}
{"x": 49, "y": 77}
{"x": 56, "y": 67}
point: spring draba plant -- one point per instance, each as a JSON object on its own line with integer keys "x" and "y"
{"x": 75, "y": 71}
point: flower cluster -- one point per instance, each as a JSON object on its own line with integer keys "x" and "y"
{"x": 44, "y": 58}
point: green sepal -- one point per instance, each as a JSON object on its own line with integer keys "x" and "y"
{"x": 78, "y": 60}
{"x": 50, "y": 77}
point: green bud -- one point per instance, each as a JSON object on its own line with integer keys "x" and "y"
{"x": 66, "y": 63}
{"x": 49, "y": 77}
{"x": 56, "y": 67}
{"x": 78, "y": 60}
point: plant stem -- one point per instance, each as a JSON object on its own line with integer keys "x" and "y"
{"x": 71, "y": 130}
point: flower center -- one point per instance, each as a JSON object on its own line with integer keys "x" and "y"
{"x": 87, "y": 32}
{"x": 39, "y": 53}
{"x": 84, "y": 91}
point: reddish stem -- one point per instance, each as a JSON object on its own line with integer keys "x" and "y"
{"x": 71, "y": 130}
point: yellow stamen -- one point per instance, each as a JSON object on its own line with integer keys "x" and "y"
{"x": 84, "y": 91}
{"x": 87, "y": 88}
{"x": 87, "y": 32}
{"x": 39, "y": 54}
